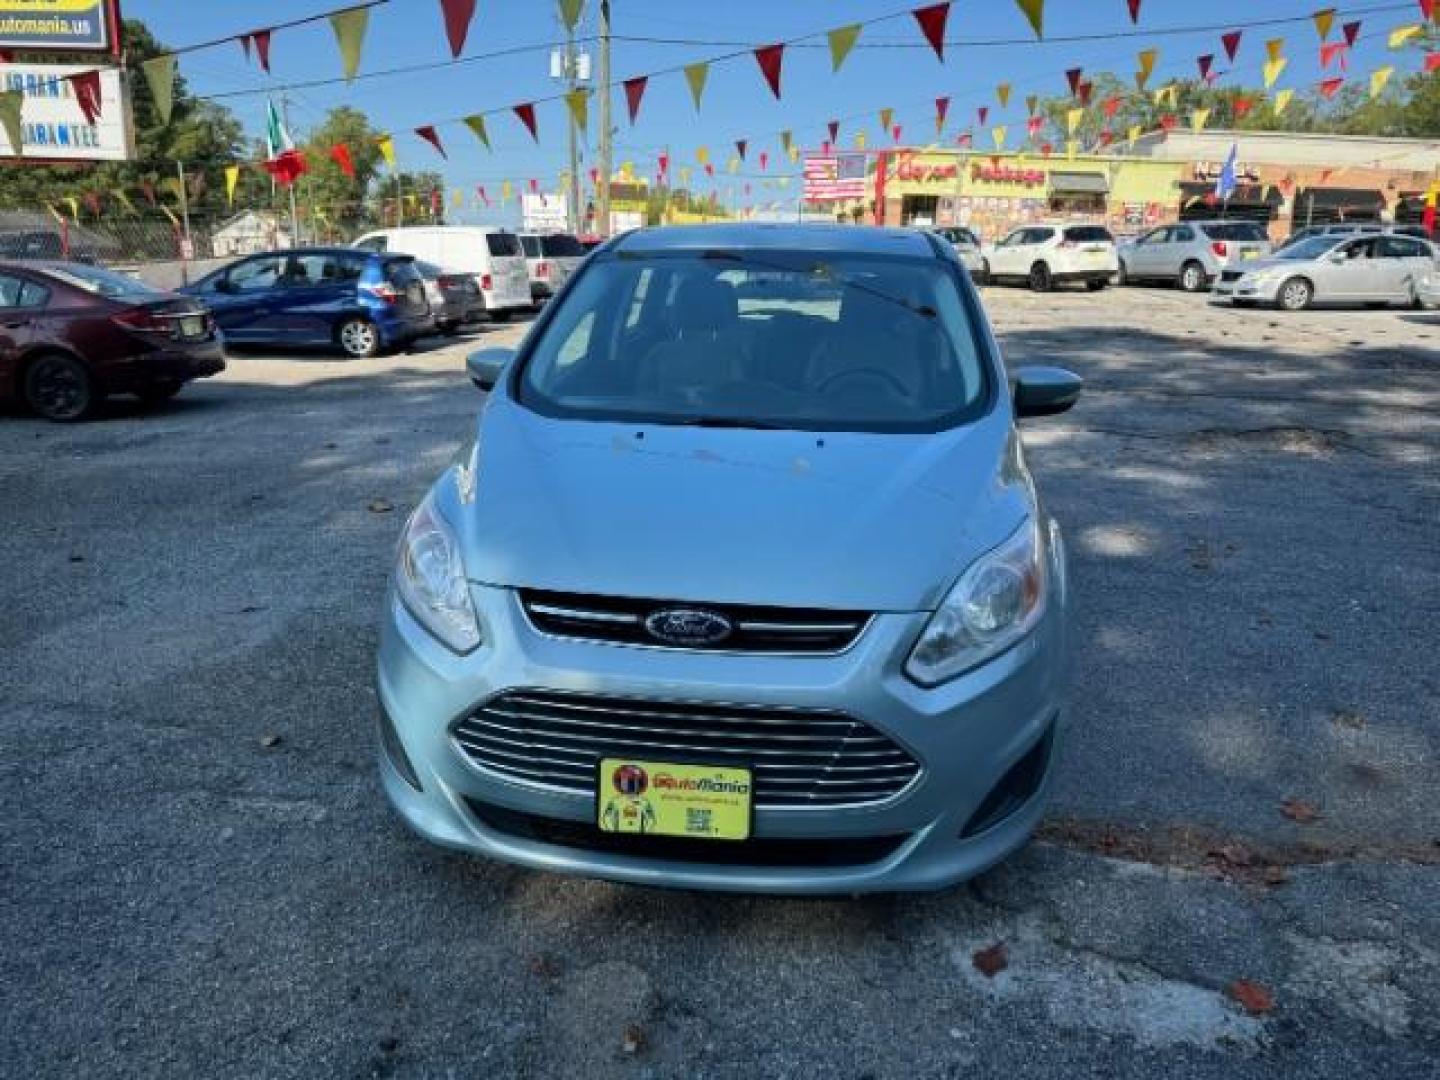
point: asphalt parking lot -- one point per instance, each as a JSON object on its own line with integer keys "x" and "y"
{"x": 1238, "y": 878}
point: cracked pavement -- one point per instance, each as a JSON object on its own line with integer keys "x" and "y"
{"x": 201, "y": 876}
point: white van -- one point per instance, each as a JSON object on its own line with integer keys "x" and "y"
{"x": 492, "y": 255}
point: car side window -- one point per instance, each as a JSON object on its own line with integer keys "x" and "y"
{"x": 18, "y": 292}
{"x": 1013, "y": 239}
{"x": 1039, "y": 236}
{"x": 256, "y": 275}
{"x": 1357, "y": 249}
{"x": 1182, "y": 233}
{"x": 372, "y": 243}
{"x": 1397, "y": 247}
{"x": 327, "y": 269}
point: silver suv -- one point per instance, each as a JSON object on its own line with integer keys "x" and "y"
{"x": 1191, "y": 254}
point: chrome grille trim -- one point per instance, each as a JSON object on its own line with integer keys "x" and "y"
{"x": 800, "y": 757}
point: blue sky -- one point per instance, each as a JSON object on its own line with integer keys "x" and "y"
{"x": 737, "y": 104}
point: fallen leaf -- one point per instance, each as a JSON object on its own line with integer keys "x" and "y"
{"x": 1276, "y": 875}
{"x": 544, "y": 966}
{"x": 1347, "y": 718}
{"x": 269, "y": 741}
{"x": 632, "y": 1039}
{"x": 1300, "y": 811}
{"x": 1251, "y": 996}
{"x": 990, "y": 962}
{"x": 1233, "y": 854}
{"x": 381, "y": 506}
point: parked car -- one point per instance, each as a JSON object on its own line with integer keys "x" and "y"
{"x": 454, "y": 298}
{"x": 492, "y": 256}
{"x": 1427, "y": 289}
{"x": 1372, "y": 269}
{"x": 967, "y": 246}
{"x": 362, "y": 302}
{"x": 1044, "y": 256}
{"x": 1191, "y": 254}
{"x": 71, "y": 333}
{"x": 1337, "y": 228}
{"x": 593, "y": 661}
{"x": 550, "y": 259}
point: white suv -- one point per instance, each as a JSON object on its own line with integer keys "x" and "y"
{"x": 1043, "y": 256}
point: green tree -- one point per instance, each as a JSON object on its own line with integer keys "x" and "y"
{"x": 348, "y": 204}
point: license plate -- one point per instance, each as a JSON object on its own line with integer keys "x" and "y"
{"x": 662, "y": 798}
{"x": 192, "y": 326}
{"x": 1249, "y": 253}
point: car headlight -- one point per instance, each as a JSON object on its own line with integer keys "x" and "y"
{"x": 430, "y": 579}
{"x": 996, "y": 602}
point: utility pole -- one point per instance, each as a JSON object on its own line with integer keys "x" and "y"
{"x": 571, "y": 70}
{"x": 294, "y": 213}
{"x": 605, "y": 133}
{"x": 187, "y": 244}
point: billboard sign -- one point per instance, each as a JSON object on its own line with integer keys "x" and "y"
{"x": 52, "y": 124}
{"x": 59, "y": 25}
{"x": 544, "y": 213}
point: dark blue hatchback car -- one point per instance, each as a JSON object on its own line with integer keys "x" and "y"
{"x": 364, "y": 302}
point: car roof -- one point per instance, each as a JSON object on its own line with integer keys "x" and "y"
{"x": 327, "y": 251}
{"x": 832, "y": 239}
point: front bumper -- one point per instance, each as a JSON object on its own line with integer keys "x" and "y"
{"x": 1241, "y": 289}
{"x": 995, "y": 723}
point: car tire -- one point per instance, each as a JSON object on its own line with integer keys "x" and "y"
{"x": 983, "y": 277}
{"x": 449, "y": 329}
{"x": 1040, "y": 278}
{"x": 158, "y": 393}
{"x": 358, "y": 339}
{"x": 1294, "y": 294}
{"x": 1192, "y": 277}
{"x": 500, "y": 316}
{"x": 59, "y": 387}
{"x": 1096, "y": 284}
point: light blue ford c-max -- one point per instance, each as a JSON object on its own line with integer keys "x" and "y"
{"x": 743, "y": 584}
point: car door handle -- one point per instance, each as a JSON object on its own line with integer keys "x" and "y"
{"x": 16, "y": 324}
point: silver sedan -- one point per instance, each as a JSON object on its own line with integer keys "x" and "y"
{"x": 1371, "y": 270}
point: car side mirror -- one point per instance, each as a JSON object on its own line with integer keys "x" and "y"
{"x": 486, "y": 366}
{"x": 1045, "y": 391}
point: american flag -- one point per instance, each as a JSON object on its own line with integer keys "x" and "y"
{"x": 830, "y": 177}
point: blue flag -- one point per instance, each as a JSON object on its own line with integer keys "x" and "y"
{"x": 1225, "y": 185}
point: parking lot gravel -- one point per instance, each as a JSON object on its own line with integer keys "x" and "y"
{"x": 1238, "y": 877}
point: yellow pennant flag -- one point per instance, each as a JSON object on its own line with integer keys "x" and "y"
{"x": 457, "y": 198}
{"x": 1031, "y": 100}
{"x": 578, "y": 102}
{"x": 349, "y": 27}
{"x": 785, "y": 139}
{"x": 386, "y": 146}
{"x": 1034, "y": 11}
{"x": 1147, "y": 63}
{"x": 1002, "y": 94}
{"x": 232, "y": 178}
{"x": 1401, "y": 34}
{"x": 842, "y": 39}
{"x": 887, "y": 118}
{"x": 859, "y": 140}
{"x": 733, "y": 165}
{"x": 1378, "y": 78}
{"x": 1273, "y": 69}
{"x": 507, "y": 190}
{"x": 476, "y": 124}
{"x": 794, "y": 153}
{"x": 74, "y": 207}
{"x": 1324, "y": 19}
{"x": 695, "y": 75}
{"x": 1198, "y": 118}
{"x": 1273, "y": 48}
{"x": 173, "y": 219}
{"x": 1134, "y": 133}
{"x": 1282, "y": 99}
{"x": 627, "y": 171}
{"x": 702, "y": 155}
{"x": 59, "y": 218}
{"x": 1073, "y": 118}
{"x": 570, "y": 12}
{"x": 160, "y": 74}
{"x": 998, "y": 134}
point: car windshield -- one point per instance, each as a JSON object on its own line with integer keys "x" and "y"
{"x": 427, "y": 270}
{"x": 1088, "y": 234}
{"x": 1311, "y": 248}
{"x": 560, "y": 246}
{"x": 1234, "y": 230}
{"x": 783, "y": 340}
{"x": 103, "y": 282}
{"x": 501, "y": 243}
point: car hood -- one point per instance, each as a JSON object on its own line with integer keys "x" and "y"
{"x": 840, "y": 520}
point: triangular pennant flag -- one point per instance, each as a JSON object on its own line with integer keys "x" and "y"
{"x": 842, "y": 39}
{"x": 833, "y": 127}
{"x": 741, "y": 145}
{"x": 702, "y": 154}
{"x": 932, "y": 25}
{"x": 457, "y": 14}
{"x": 1133, "y": 134}
{"x": 430, "y": 135}
{"x": 340, "y": 154}
{"x": 1272, "y": 71}
{"x": 174, "y": 221}
{"x": 1323, "y": 19}
{"x": 570, "y": 12}
{"x": 634, "y": 93}
{"x": 942, "y": 107}
{"x": 261, "y": 39}
{"x": 1427, "y": 8}
{"x": 998, "y": 134}
{"x": 1241, "y": 107}
{"x": 484, "y": 198}
{"x": 1197, "y": 120}
{"x": 476, "y": 124}
{"x": 386, "y": 146}
{"x": 982, "y": 114}
{"x": 859, "y": 140}
{"x": 1033, "y": 126}
{"x": 1204, "y": 63}
{"x": 1034, "y": 11}
{"x": 232, "y": 178}
{"x": 74, "y": 207}
{"x": 245, "y": 46}
{"x": 895, "y": 134}
{"x": 1110, "y": 106}
{"x": 1072, "y": 77}
{"x": 1002, "y": 95}
{"x": 349, "y": 27}
{"x": 1282, "y": 99}
{"x": 1351, "y": 30}
{"x": 1134, "y": 10}
{"x": 1329, "y": 87}
{"x": 733, "y": 165}
{"x": 86, "y": 87}
{"x": 764, "y": 160}
{"x": 695, "y": 75}
{"x": 1084, "y": 90}
{"x": 1274, "y": 47}
{"x": 578, "y": 102}
{"x": 160, "y": 74}
{"x": 507, "y": 190}
{"x": 1432, "y": 61}
{"x": 10, "y": 105}
{"x": 1031, "y": 101}
{"x": 887, "y": 119}
{"x": 1073, "y": 118}
{"x": 1231, "y": 41}
{"x": 1401, "y": 34}
{"x": 1378, "y": 78}
{"x": 769, "y": 59}
{"x": 1147, "y": 63}
{"x": 526, "y": 114}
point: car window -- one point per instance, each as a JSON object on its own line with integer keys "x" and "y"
{"x": 531, "y": 246}
{"x": 849, "y": 343}
{"x": 402, "y": 272}
{"x": 324, "y": 269}
{"x": 18, "y": 292}
{"x": 1015, "y": 238}
{"x": 95, "y": 279}
{"x": 1400, "y": 247}
{"x": 1358, "y": 249}
{"x": 560, "y": 246}
{"x": 1039, "y": 236}
{"x": 256, "y": 275}
{"x": 1310, "y": 248}
{"x": 372, "y": 243}
{"x": 502, "y": 243}
{"x": 1088, "y": 234}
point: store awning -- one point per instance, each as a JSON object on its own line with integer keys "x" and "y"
{"x": 1244, "y": 194}
{"x": 1360, "y": 202}
{"x": 1079, "y": 183}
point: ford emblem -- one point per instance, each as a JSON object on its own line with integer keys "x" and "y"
{"x": 686, "y": 626}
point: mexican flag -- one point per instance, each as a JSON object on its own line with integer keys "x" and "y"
{"x": 282, "y": 160}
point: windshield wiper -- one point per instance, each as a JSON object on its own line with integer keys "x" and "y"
{"x": 727, "y": 422}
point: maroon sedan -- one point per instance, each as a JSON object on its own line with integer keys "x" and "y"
{"x": 70, "y": 334}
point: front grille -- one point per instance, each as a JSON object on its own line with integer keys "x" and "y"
{"x": 1232, "y": 275}
{"x": 756, "y": 851}
{"x": 755, "y": 629}
{"x": 798, "y": 757}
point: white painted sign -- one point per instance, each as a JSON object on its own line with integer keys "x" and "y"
{"x": 53, "y": 125}
{"x": 543, "y": 213}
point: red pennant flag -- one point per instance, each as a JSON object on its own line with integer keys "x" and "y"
{"x": 1204, "y": 63}
{"x": 430, "y": 135}
{"x": 1111, "y": 105}
{"x": 1073, "y": 78}
{"x": 932, "y": 25}
{"x": 964, "y": 138}
{"x": 244, "y": 40}
{"x": 1351, "y": 30}
{"x": 764, "y": 161}
{"x": 634, "y": 91}
{"x": 1329, "y": 87}
{"x": 769, "y": 60}
{"x": 741, "y": 145}
{"x": 1134, "y": 10}
{"x": 1168, "y": 121}
{"x": 1329, "y": 51}
{"x": 1432, "y": 61}
{"x": 1033, "y": 126}
{"x": 1241, "y": 106}
{"x": 594, "y": 177}
{"x": 662, "y": 161}
{"x": 261, "y": 40}
{"x": 895, "y": 133}
{"x": 942, "y": 109}
{"x": 86, "y": 87}
{"x": 1231, "y": 41}
{"x": 1427, "y": 218}
{"x": 825, "y": 148}
{"x": 1427, "y": 8}
{"x": 1106, "y": 138}
{"x": 526, "y": 113}
{"x": 458, "y": 14}
{"x": 982, "y": 114}
{"x": 480, "y": 190}
{"x": 534, "y": 185}
{"x": 834, "y": 128}
{"x": 340, "y": 154}
{"x": 710, "y": 170}
{"x": 1085, "y": 90}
